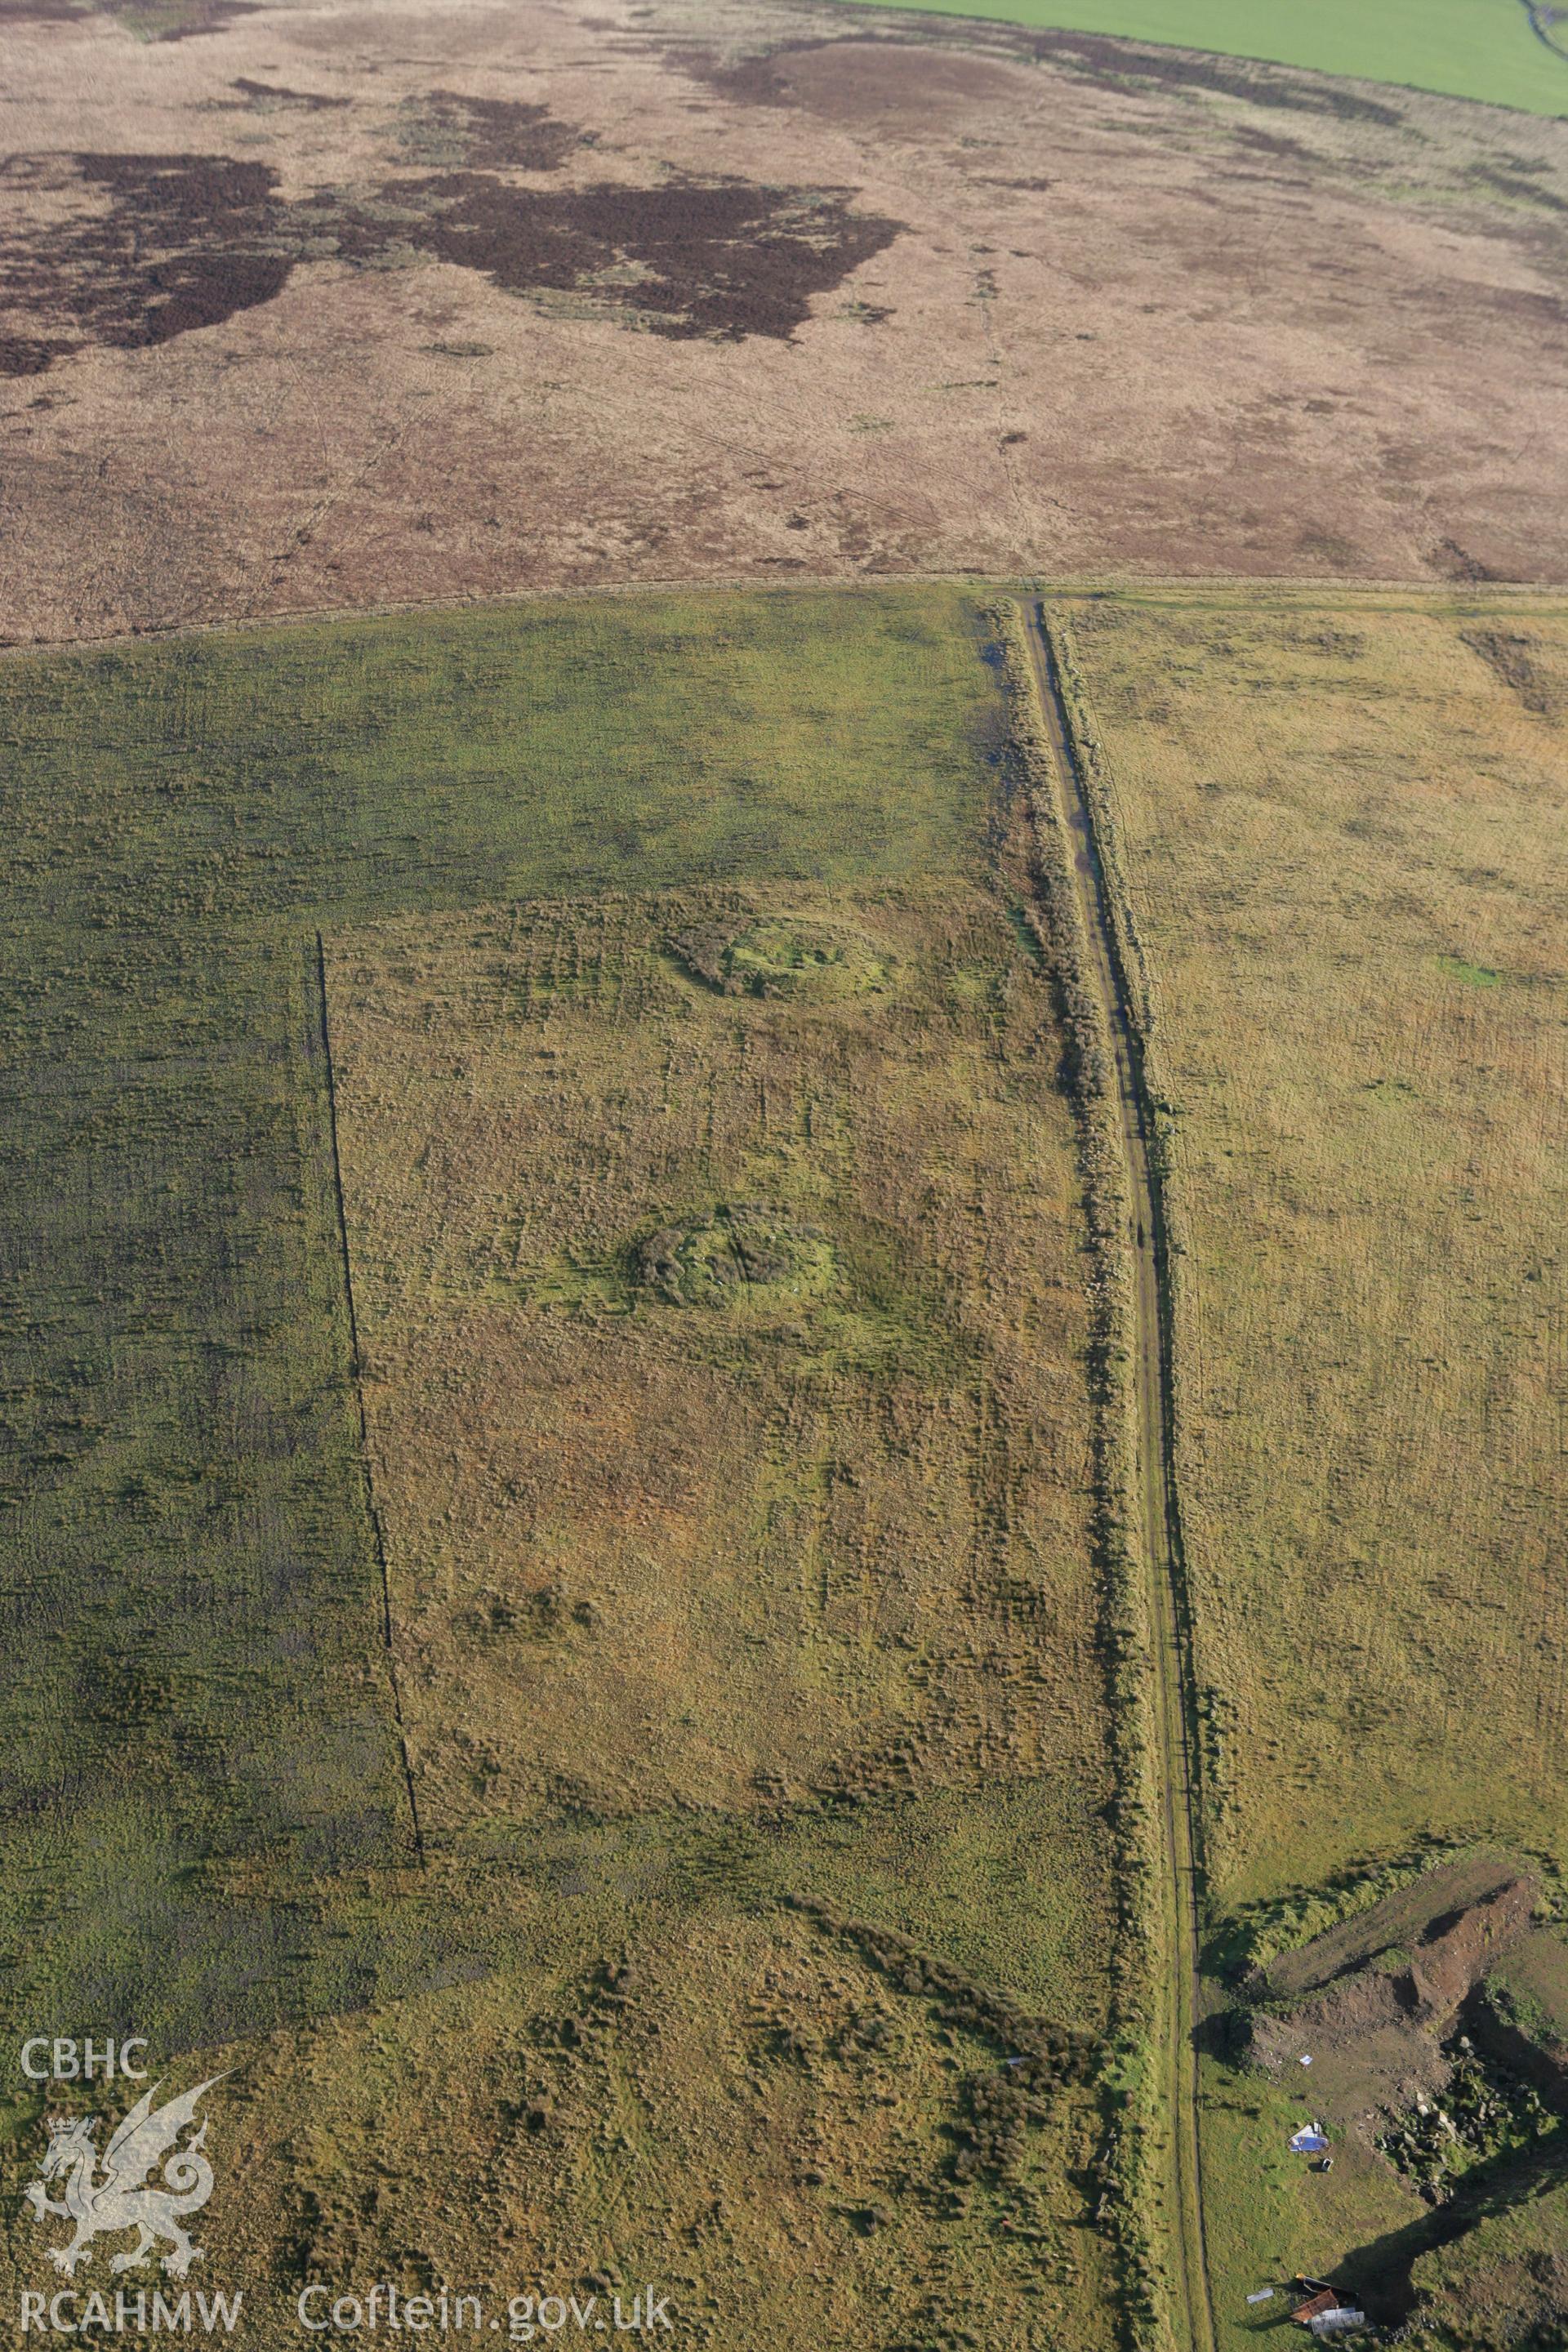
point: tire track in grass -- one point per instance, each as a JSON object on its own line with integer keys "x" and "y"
{"x": 1158, "y": 1520}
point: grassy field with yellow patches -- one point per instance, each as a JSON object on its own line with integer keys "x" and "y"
{"x": 1345, "y": 839}
{"x": 715, "y": 1581}
{"x": 724, "y": 1342}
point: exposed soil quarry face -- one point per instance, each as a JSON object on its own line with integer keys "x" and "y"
{"x": 1421, "y": 1915}
{"x": 1374, "y": 1982}
{"x": 1375, "y": 2033}
{"x": 334, "y": 306}
{"x": 1427, "y": 2031}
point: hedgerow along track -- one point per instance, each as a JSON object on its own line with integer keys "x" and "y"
{"x": 1159, "y": 1523}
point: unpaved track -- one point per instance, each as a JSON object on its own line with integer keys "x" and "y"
{"x": 1178, "y": 1993}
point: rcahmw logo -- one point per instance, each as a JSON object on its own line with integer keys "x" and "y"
{"x": 148, "y": 2181}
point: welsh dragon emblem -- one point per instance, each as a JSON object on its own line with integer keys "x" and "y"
{"x": 118, "y": 2197}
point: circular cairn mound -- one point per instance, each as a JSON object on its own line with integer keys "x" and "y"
{"x": 783, "y": 955}
{"x": 742, "y": 1252}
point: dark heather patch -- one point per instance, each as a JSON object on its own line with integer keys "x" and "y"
{"x": 1506, "y": 654}
{"x": 265, "y": 95}
{"x": 1271, "y": 142}
{"x": 153, "y": 20}
{"x": 761, "y": 80}
{"x": 871, "y": 74}
{"x": 23, "y": 356}
{"x": 500, "y": 134}
{"x": 183, "y": 241}
{"x": 688, "y": 258}
{"x": 163, "y": 243}
{"x": 1458, "y": 563}
{"x": 1545, "y": 311}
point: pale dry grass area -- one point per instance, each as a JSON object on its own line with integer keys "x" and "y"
{"x": 1344, "y": 834}
{"x": 723, "y": 1351}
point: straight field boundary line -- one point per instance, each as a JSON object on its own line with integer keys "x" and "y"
{"x": 372, "y": 1510}
{"x": 1203, "y": 588}
{"x": 1158, "y": 1507}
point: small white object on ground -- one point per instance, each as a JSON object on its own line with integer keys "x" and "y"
{"x": 1264, "y": 2294}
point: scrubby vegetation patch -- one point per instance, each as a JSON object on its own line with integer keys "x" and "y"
{"x": 1485, "y": 2111}
{"x": 741, "y": 1250}
{"x": 783, "y": 955}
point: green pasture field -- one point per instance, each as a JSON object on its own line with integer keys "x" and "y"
{"x": 1458, "y": 48}
{"x": 552, "y": 966}
{"x": 1268, "y": 2215}
{"x": 1533, "y": 1982}
{"x": 558, "y": 2020}
{"x": 193, "y": 1599}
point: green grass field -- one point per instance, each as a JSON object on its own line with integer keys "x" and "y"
{"x": 192, "y": 1585}
{"x": 742, "y": 1631}
{"x": 1460, "y": 48}
{"x": 1340, "y": 829}
{"x": 560, "y": 2044}
{"x": 756, "y": 1269}
{"x": 192, "y": 1576}
{"x": 1344, "y": 833}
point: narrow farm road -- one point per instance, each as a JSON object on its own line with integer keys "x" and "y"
{"x": 1160, "y": 1526}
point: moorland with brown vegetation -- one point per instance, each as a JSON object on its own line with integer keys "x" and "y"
{"x": 316, "y": 308}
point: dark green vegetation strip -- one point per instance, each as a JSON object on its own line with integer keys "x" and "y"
{"x": 192, "y": 1616}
